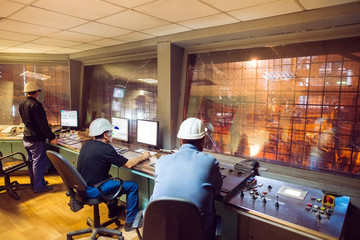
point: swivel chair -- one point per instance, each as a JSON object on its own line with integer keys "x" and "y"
{"x": 76, "y": 187}
{"x": 9, "y": 164}
{"x": 171, "y": 218}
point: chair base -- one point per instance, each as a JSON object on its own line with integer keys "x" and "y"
{"x": 10, "y": 186}
{"x": 100, "y": 230}
{"x": 95, "y": 232}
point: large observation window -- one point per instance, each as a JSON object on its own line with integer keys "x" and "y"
{"x": 123, "y": 90}
{"x": 296, "y": 105}
{"x": 52, "y": 79}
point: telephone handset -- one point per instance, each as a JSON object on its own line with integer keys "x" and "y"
{"x": 9, "y": 130}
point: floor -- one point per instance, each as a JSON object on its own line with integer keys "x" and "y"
{"x": 46, "y": 216}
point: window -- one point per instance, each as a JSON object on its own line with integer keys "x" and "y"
{"x": 123, "y": 89}
{"x": 52, "y": 79}
{"x": 297, "y": 105}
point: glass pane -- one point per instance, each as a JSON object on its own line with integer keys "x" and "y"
{"x": 298, "y": 110}
{"x": 52, "y": 79}
{"x": 125, "y": 89}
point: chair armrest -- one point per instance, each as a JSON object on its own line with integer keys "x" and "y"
{"x": 18, "y": 163}
{"x": 13, "y": 154}
{"x": 110, "y": 196}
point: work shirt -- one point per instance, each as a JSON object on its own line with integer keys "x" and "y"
{"x": 34, "y": 118}
{"x": 95, "y": 160}
{"x": 192, "y": 175}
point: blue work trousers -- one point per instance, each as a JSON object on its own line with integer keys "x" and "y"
{"x": 129, "y": 188}
{"x": 36, "y": 152}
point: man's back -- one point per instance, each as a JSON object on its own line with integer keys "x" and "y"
{"x": 192, "y": 175}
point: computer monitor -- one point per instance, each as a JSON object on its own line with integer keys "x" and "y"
{"x": 119, "y": 92}
{"x": 121, "y": 130}
{"x": 69, "y": 118}
{"x": 147, "y": 132}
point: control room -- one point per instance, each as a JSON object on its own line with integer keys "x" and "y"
{"x": 272, "y": 87}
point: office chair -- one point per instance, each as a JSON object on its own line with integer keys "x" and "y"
{"x": 8, "y": 165}
{"x": 76, "y": 187}
{"x": 171, "y": 218}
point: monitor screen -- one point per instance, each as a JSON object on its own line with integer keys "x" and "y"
{"x": 147, "y": 132}
{"x": 69, "y": 118}
{"x": 121, "y": 130}
{"x": 119, "y": 92}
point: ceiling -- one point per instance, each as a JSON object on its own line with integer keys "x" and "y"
{"x": 72, "y": 26}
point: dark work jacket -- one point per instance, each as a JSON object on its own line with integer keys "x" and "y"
{"x": 33, "y": 116}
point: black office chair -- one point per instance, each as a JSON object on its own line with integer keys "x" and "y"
{"x": 76, "y": 187}
{"x": 170, "y": 218}
{"x": 9, "y": 164}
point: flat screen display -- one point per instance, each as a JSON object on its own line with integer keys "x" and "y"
{"x": 69, "y": 118}
{"x": 119, "y": 92}
{"x": 121, "y": 130}
{"x": 147, "y": 132}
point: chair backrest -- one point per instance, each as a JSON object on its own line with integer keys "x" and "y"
{"x": 172, "y": 218}
{"x": 69, "y": 174}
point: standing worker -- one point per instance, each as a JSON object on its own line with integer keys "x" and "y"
{"x": 36, "y": 132}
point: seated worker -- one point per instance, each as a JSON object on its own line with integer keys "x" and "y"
{"x": 95, "y": 160}
{"x": 190, "y": 174}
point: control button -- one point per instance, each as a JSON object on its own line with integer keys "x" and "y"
{"x": 264, "y": 192}
{"x": 308, "y": 208}
{"x": 313, "y": 198}
{"x": 254, "y": 189}
{"x": 314, "y": 209}
{"x": 322, "y": 208}
{"x": 319, "y": 199}
{"x": 309, "y": 204}
{"x": 270, "y": 187}
{"x": 260, "y": 185}
{"x": 316, "y": 206}
{"x": 322, "y": 211}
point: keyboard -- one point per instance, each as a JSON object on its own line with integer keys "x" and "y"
{"x": 131, "y": 154}
{"x": 121, "y": 150}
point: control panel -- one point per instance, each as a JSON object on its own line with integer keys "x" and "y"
{"x": 72, "y": 139}
{"x": 285, "y": 202}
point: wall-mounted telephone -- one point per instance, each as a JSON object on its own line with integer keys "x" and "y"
{"x": 9, "y": 130}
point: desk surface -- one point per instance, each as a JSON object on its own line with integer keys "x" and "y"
{"x": 291, "y": 212}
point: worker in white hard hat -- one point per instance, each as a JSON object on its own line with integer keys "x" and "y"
{"x": 190, "y": 173}
{"x": 36, "y": 132}
{"x": 94, "y": 163}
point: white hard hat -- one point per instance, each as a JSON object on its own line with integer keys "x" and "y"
{"x": 31, "y": 87}
{"x": 99, "y": 126}
{"x": 191, "y": 128}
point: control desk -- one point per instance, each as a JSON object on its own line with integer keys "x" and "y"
{"x": 295, "y": 206}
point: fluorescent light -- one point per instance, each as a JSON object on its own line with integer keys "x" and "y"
{"x": 35, "y": 75}
{"x": 148, "y": 80}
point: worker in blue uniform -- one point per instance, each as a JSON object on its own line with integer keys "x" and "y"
{"x": 190, "y": 173}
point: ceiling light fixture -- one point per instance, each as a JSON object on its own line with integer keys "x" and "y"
{"x": 35, "y": 75}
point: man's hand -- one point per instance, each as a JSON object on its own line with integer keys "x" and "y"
{"x": 145, "y": 155}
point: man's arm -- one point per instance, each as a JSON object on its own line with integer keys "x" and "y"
{"x": 133, "y": 162}
{"x": 41, "y": 121}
